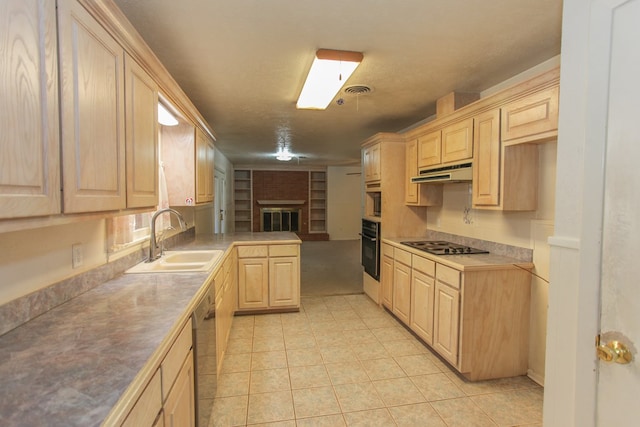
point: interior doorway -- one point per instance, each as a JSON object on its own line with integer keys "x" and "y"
{"x": 219, "y": 202}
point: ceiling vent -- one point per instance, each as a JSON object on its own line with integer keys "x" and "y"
{"x": 358, "y": 90}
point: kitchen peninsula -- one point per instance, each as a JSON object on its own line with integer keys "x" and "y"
{"x": 88, "y": 361}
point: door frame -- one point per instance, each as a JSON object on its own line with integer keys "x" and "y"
{"x": 220, "y": 200}
{"x": 570, "y": 396}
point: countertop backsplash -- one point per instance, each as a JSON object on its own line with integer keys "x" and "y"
{"x": 21, "y": 310}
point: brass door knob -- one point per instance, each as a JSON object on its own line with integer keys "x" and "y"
{"x": 614, "y": 351}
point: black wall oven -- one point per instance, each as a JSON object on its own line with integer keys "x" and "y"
{"x": 371, "y": 248}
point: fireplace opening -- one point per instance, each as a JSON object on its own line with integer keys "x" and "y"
{"x": 280, "y": 219}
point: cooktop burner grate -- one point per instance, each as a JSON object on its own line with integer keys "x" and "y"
{"x": 441, "y": 247}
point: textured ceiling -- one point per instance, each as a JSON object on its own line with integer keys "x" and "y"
{"x": 243, "y": 63}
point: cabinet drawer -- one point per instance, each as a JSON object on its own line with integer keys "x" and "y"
{"x": 283, "y": 250}
{"x": 387, "y": 250}
{"x": 148, "y": 405}
{"x": 258, "y": 251}
{"x": 174, "y": 359}
{"x": 402, "y": 256}
{"x": 424, "y": 265}
{"x": 448, "y": 276}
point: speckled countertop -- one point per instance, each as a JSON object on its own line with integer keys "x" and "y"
{"x": 72, "y": 365}
{"x": 462, "y": 262}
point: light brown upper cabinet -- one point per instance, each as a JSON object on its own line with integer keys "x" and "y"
{"x": 446, "y": 145}
{"x": 372, "y": 161}
{"x": 204, "y": 167}
{"x": 417, "y": 194}
{"x": 486, "y": 159}
{"x": 29, "y": 141}
{"x": 504, "y": 176}
{"x": 430, "y": 149}
{"x": 533, "y": 118}
{"x": 92, "y": 112}
{"x": 188, "y": 157}
{"x": 141, "y": 108}
{"x": 457, "y": 141}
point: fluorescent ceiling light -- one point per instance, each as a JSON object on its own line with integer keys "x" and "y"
{"x": 329, "y": 72}
{"x": 165, "y": 117}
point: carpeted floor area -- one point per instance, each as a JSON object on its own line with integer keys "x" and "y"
{"x": 330, "y": 268}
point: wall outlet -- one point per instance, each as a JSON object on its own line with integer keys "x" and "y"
{"x": 77, "y": 256}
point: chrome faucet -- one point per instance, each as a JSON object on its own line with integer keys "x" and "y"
{"x": 153, "y": 244}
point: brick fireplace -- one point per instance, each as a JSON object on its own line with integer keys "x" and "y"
{"x": 279, "y": 186}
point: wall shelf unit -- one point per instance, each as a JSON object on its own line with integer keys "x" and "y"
{"x": 242, "y": 199}
{"x": 317, "y": 202}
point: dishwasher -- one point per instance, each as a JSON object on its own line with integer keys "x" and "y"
{"x": 205, "y": 366}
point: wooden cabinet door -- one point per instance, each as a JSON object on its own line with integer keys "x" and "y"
{"x": 141, "y": 93}
{"x": 532, "y": 118}
{"x": 29, "y": 122}
{"x": 486, "y": 159}
{"x": 416, "y": 194}
{"x": 446, "y": 322}
{"x": 204, "y": 168}
{"x": 386, "y": 279}
{"x": 372, "y": 160}
{"x": 253, "y": 283}
{"x": 422, "y": 294}
{"x": 401, "y": 291}
{"x": 430, "y": 149}
{"x": 148, "y": 406}
{"x": 284, "y": 282}
{"x": 92, "y": 112}
{"x": 179, "y": 408}
{"x": 457, "y": 141}
{"x": 411, "y": 170}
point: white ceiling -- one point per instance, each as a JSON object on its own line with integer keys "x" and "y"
{"x": 243, "y": 63}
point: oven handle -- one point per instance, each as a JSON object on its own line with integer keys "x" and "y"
{"x": 372, "y": 239}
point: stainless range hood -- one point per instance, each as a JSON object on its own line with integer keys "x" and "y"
{"x": 443, "y": 174}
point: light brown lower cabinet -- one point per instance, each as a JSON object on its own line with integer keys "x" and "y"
{"x": 226, "y": 301}
{"x": 253, "y": 283}
{"x": 386, "y": 275}
{"x": 284, "y": 288}
{"x": 268, "y": 277}
{"x": 147, "y": 410}
{"x": 446, "y": 322}
{"x": 477, "y": 320}
{"x": 179, "y": 408}
{"x": 402, "y": 284}
{"x": 169, "y": 397}
{"x": 422, "y": 295}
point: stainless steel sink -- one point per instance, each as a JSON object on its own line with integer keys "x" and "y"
{"x": 179, "y": 261}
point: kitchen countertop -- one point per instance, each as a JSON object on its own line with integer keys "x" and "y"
{"x": 72, "y": 365}
{"x": 472, "y": 262}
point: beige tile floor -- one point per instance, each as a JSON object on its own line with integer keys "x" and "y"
{"x": 343, "y": 361}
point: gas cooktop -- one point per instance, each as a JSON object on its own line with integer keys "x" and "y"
{"x": 441, "y": 247}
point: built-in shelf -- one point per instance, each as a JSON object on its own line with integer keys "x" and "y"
{"x": 242, "y": 195}
{"x": 317, "y": 202}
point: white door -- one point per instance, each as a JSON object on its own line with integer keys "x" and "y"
{"x": 618, "y": 386}
{"x": 219, "y": 213}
